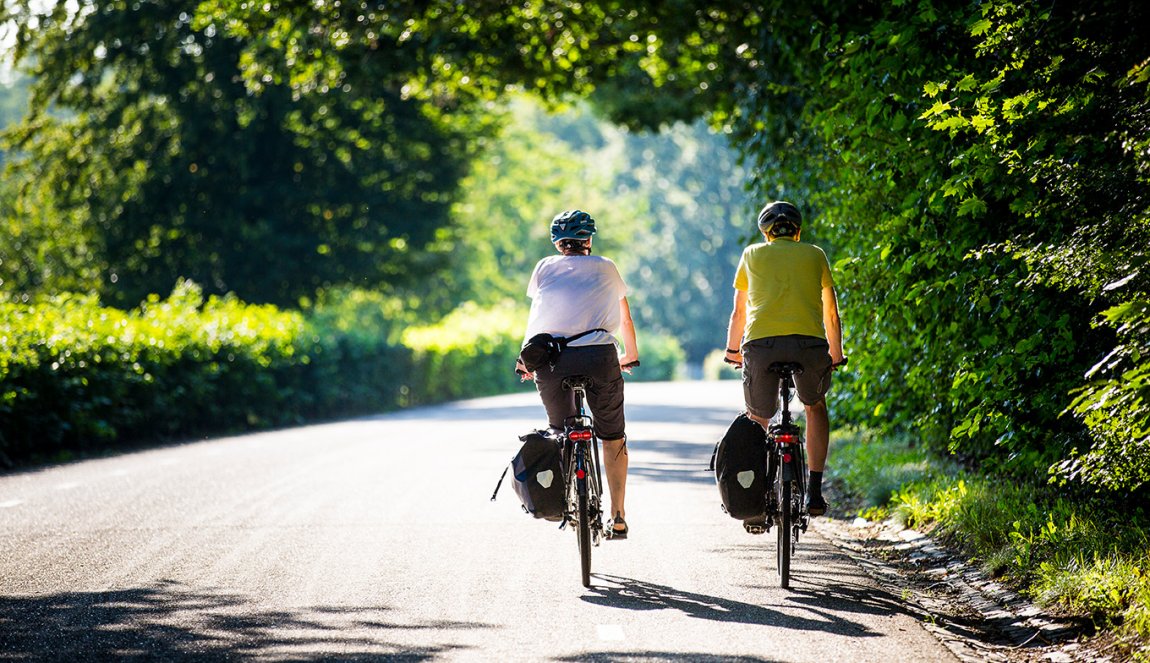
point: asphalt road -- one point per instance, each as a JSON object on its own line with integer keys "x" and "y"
{"x": 375, "y": 539}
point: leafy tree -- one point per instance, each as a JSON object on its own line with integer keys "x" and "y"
{"x": 979, "y": 168}
{"x": 180, "y": 161}
{"x": 671, "y": 206}
{"x": 701, "y": 218}
{"x": 538, "y": 166}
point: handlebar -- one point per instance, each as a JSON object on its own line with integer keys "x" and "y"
{"x": 739, "y": 364}
{"x": 523, "y": 374}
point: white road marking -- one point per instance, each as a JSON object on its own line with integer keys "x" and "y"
{"x": 609, "y": 631}
{"x": 10, "y": 503}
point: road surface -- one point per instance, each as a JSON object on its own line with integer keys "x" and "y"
{"x": 374, "y": 539}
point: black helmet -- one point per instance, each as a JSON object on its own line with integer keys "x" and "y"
{"x": 780, "y": 218}
{"x": 572, "y": 224}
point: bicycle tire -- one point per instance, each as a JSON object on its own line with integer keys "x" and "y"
{"x": 595, "y": 501}
{"x": 783, "y": 553}
{"x": 584, "y": 533}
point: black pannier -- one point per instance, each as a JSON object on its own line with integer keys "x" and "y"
{"x": 740, "y": 464}
{"x": 538, "y": 473}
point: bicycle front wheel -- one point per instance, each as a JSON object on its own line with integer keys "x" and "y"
{"x": 784, "y": 521}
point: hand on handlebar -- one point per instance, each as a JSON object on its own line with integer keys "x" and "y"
{"x": 628, "y": 366}
{"x": 737, "y": 362}
{"x": 522, "y": 372}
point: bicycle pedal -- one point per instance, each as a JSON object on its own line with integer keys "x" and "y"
{"x": 757, "y": 528}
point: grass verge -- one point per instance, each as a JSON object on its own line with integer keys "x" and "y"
{"x": 1079, "y": 554}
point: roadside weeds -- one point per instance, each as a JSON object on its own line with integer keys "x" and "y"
{"x": 975, "y": 617}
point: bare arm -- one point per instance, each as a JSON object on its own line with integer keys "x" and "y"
{"x": 833, "y": 324}
{"x": 630, "y": 345}
{"x": 735, "y": 328}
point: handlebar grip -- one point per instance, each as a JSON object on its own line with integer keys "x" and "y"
{"x": 631, "y": 364}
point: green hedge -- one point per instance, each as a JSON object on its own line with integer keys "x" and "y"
{"x": 472, "y": 352}
{"x": 78, "y": 377}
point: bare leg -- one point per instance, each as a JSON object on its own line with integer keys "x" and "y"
{"x": 818, "y": 436}
{"x": 615, "y": 466}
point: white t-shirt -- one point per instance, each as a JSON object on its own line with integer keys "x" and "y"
{"x": 572, "y": 294}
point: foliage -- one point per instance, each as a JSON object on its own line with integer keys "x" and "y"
{"x": 1087, "y": 555}
{"x": 671, "y": 209}
{"x": 701, "y": 219}
{"x": 536, "y": 167}
{"x": 471, "y": 352}
{"x": 976, "y": 169}
{"x": 1052, "y": 136}
{"x": 874, "y": 466}
{"x": 14, "y": 95}
{"x": 76, "y": 376}
{"x": 190, "y": 153}
{"x": 714, "y": 368}
{"x": 662, "y": 358}
{"x": 79, "y": 377}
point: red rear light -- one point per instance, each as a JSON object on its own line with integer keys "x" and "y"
{"x": 580, "y": 435}
{"x": 580, "y": 473}
{"x": 786, "y": 438}
{"x": 786, "y": 458}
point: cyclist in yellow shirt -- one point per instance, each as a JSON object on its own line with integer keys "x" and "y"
{"x": 786, "y": 309}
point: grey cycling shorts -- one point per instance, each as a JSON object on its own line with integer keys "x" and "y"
{"x": 761, "y": 388}
{"x": 604, "y": 395}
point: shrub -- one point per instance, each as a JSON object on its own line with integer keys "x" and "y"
{"x": 78, "y": 377}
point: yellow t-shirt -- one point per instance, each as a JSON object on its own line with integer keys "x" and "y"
{"x": 784, "y": 282}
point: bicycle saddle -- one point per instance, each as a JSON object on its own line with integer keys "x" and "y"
{"x": 785, "y": 368}
{"x": 573, "y": 381}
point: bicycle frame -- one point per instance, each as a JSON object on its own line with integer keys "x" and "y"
{"x": 787, "y": 438}
{"x": 786, "y": 504}
{"x": 583, "y": 481}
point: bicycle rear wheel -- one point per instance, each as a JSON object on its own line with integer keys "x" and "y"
{"x": 784, "y": 521}
{"x": 584, "y": 534}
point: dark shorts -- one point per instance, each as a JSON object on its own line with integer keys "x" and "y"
{"x": 604, "y": 395}
{"x": 761, "y": 388}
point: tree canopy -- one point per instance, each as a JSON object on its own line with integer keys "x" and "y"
{"x": 977, "y": 169}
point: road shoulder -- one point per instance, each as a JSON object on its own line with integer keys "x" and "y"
{"x": 970, "y": 613}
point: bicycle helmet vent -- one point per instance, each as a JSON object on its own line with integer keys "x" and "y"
{"x": 572, "y": 224}
{"x": 780, "y": 218}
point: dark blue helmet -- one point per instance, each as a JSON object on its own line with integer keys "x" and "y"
{"x": 780, "y": 218}
{"x": 572, "y": 224}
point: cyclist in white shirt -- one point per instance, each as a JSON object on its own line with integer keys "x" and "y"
{"x": 572, "y": 293}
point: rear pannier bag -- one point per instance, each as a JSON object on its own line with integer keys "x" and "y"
{"x": 538, "y": 473}
{"x": 740, "y": 464}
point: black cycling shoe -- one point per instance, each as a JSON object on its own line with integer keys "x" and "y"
{"x": 756, "y": 525}
{"x": 615, "y": 533}
{"x": 816, "y": 505}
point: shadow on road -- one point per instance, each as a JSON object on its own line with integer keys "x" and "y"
{"x": 693, "y": 657}
{"x": 631, "y": 594}
{"x": 169, "y": 623}
{"x": 470, "y": 411}
{"x": 671, "y": 460}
